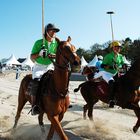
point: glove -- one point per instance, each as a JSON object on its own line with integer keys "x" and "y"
{"x": 43, "y": 53}
{"x": 51, "y": 55}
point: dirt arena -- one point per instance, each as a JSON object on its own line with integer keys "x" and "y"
{"x": 108, "y": 124}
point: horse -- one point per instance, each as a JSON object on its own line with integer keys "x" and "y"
{"x": 54, "y": 99}
{"x": 89, "y": 71}
{"x": 127, "y": 93}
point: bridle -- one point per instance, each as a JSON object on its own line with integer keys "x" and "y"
{"x": 63, "y": 67}
{"x": 91, "y": 71}
{"x": 64, "y": 58}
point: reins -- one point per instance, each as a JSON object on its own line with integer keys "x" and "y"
{"x": 65, "y": 60}
{"x": 64, "y": 67}
{"x": 58, "y": 65}
{"x": 91, "y": 71}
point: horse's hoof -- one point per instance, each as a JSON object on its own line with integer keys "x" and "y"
{"x": 91, "y": 119}
{"x": 13, "y": 130}
{"x": 14, "y": 127}
{"x": 135, "y": 129}
{"x": 42, "y": 128}
{"x": 84, "y": 118}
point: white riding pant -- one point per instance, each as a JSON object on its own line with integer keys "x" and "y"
{"x": 107, "y": 76}
{"x": 39, "y": 70}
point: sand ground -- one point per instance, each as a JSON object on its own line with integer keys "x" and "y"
{"x": 108, "y": 124}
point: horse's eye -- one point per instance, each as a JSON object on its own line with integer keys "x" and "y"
{"x": 68, "y": 47}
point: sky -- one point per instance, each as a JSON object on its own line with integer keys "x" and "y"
{"x": 85, "y": 21}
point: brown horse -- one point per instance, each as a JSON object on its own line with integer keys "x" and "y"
{"x": 89, "y": 71}
{"x": 127, "y": 92}
{"x": 54, "y": 99}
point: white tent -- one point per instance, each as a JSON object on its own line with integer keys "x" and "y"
{"x": 12, "y": 61}
{"x": 28, "y": 62}
{"x": 83, "y": 62}
{"x": 126, "y": 61}
{"x": 93, "y": 61}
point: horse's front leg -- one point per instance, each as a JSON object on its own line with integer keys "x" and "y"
{"x": 85, "y": 108}
{"x": 57, "y": 126}
{"x": 90, "y": 108}
{"x": 51, "y": 132}
{"x": 136, "y": 127}
{"x": 40, "y": 120}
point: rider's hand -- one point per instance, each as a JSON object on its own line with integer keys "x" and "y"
{"x": 107, "y": 67}
{"x": 124, "y": 66}
{"x": 51, "y": 55}
{"x": 43, "y": 53}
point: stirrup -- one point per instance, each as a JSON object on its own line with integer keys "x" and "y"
{"x": 111, "y": 103}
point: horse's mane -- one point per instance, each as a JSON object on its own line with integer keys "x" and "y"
{"x": 134, "y": 69}
{"x": 132, "y": 77}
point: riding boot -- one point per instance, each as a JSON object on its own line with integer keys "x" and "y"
{"x": 34, "y": 88}
{"x": 111, "y": 94}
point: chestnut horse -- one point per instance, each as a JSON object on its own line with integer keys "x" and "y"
{"x": 54, "y": 99}
{"x": 127, "y": 93}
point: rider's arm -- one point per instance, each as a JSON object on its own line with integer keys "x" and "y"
{"x": 35, "y": 50}
{"x": 105, "y": 66}
{"x": 34, "y": 56}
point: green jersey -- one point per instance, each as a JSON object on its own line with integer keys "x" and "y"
{"x": 113, "y": 61}
{"x": 51, "y": 48}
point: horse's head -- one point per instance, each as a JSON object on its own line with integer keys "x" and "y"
{"x": 133, "y": 74}
{"x": 66, "y": 53}
{"x": 88, "y": 70}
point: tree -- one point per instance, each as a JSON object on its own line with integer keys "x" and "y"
{"x": 95, "y": 47}
{"x": 80, "y": 52}
{"x": 126, "y": 46}
{"x": 134, "y": 50}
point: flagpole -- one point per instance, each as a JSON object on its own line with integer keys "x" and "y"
{"x": 111, "y": 13}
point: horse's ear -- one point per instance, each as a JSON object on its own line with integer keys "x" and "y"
{"x": 69, "y": 39}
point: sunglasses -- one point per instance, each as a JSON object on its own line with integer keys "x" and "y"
{"x": 117, "y": 46}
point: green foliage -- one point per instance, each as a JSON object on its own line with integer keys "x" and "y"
{"x": 130, "y": 49}
{"x": 134, "y": 50}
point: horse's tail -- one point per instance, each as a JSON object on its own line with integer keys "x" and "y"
{"x": 81, "y": 85}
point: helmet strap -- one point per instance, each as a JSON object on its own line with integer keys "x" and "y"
{"x": 51, "y": 38}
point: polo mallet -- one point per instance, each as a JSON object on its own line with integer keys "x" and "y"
{"x": 43, "y": 37}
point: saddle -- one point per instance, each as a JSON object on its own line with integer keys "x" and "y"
{"x": 102, "y": 88}
{"x": 44, "y": 82}
{"x": 45, "y": 78}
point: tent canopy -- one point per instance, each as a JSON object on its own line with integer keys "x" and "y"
{"x": 28, "y": 62}
{"x": 12, "y": 61}
{"x": 93, "y": 61}
{"x": 83, "y": 62}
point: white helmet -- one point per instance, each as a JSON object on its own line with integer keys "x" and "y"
{"x": 100, "y": 57}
